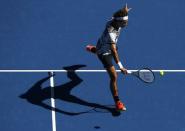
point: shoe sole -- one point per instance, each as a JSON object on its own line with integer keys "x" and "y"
{"x": 121, "y": 109}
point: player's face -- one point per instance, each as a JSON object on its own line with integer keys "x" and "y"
{"x": 122, "y": 23}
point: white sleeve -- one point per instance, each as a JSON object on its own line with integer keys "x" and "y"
{"x": 113, "y": 37}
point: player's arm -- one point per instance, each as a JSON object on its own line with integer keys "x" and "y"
{"x": 114, "y": 52}
{"x": 116, "y": 58}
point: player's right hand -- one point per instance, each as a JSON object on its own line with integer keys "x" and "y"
{"x": 124, "y": 70}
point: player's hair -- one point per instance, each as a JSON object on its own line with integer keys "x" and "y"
{"x": 120, "y": 13}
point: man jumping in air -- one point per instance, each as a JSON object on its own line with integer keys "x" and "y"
{"x": 106, "y": 49}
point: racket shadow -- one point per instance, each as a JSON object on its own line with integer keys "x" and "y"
{"x": 37, "y": 94}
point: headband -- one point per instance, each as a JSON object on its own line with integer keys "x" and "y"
{"x": 121, "y": 18}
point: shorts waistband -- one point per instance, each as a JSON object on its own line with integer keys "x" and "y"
{"x": 105, "y": 54}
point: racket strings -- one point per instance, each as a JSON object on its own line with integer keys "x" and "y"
{"x": 146, "y": 75}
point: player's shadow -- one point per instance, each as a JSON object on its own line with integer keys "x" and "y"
{"x": 37, "y": 94}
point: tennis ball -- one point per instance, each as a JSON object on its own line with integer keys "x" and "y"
{"x": 161, "y": 73}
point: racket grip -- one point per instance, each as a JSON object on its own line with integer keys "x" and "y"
{"x": 129, "y": 72}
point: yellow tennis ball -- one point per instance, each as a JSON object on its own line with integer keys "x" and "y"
{"x": 161, "y": 73}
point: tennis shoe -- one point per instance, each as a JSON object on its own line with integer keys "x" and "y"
{"x": 120, "y": 106}
{"x": 91, "y": 48}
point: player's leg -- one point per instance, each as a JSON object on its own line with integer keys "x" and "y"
{"x": 108, "y": 65}
{"x": 113, "y": 81}
{"x": 114, "y": 89}
{"x": 91, "y": 48}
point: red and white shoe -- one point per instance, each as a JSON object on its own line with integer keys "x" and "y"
{"x": 91, "y": 48}
{"x": 120, "y": 106}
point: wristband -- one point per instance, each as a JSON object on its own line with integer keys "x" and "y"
{"x": 120, "y": 65}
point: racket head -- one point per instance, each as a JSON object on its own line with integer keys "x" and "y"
{"x": 146, "y": 75}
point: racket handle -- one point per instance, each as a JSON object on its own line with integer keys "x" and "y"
{"x": 129, "y": 72}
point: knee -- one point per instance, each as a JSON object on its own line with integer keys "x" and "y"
{"x": 114, "y": 77}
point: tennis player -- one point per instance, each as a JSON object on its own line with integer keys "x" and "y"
{"x": 106, "y": 49}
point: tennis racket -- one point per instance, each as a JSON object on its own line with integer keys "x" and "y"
{"x": 145, "y": 74}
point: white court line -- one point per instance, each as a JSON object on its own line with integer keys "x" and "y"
{"x": 32, "y": 71}
{"x": 53, "y": 102}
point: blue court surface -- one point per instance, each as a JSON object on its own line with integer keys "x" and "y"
{"x": 40, "y": 35}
